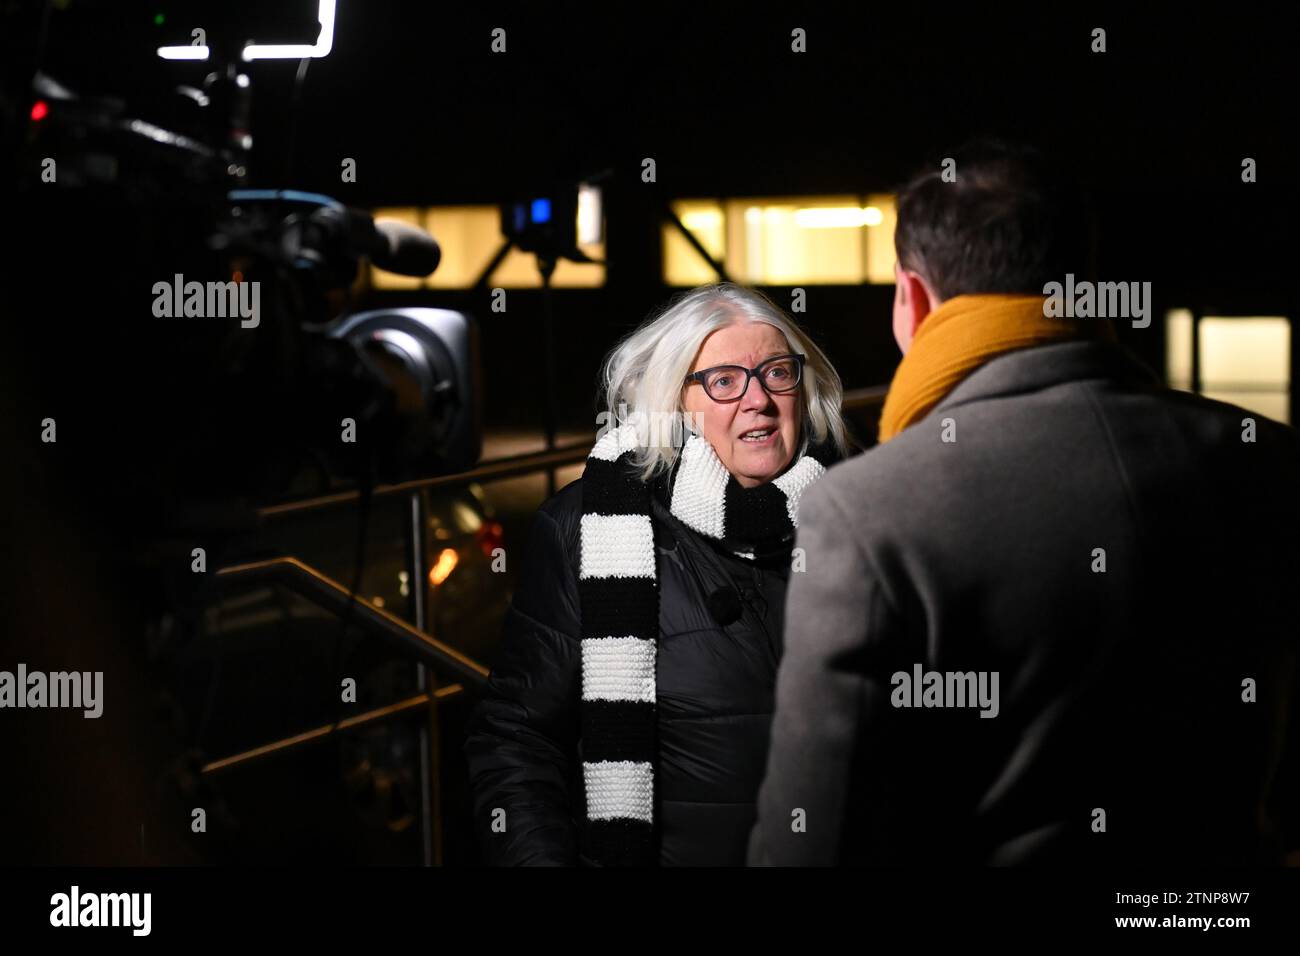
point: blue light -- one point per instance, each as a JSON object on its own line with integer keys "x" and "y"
{"x": 541, "y": 210}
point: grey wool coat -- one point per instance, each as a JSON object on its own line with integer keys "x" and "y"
{"x": 1119, "y": 557}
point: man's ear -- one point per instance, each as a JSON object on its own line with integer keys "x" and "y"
{"x": 913, "y": 301}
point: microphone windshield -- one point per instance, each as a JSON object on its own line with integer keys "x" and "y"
{"x": 404, "y": 249}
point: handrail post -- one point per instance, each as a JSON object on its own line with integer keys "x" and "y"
{"x": 417, "y": 563}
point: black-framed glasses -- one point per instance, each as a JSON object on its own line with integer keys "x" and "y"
{"x": 778, "y": 375}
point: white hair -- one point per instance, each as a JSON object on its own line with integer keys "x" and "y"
{"x": 643, "y": 377}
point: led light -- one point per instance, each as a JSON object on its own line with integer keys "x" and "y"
{"x": 297, "y": 51}
{"x": 183, "y": 52}
{"x": 271, "y": 51}
{"x": 590, "y": 227}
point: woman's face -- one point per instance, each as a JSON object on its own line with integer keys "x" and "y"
{"x": 724, "y": 423}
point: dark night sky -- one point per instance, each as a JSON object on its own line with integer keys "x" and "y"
{"x": 1158, "y": 124}
{"x": 414, "y": 90}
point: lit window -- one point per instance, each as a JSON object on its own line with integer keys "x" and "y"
{"x": 682, "y": 264}
{"x": 1245, "y": 360}
{"x": 1178, "y": 349}
{"x": 842, "y": 240}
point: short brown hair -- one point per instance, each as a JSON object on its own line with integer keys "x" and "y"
{"x": 1010, "y": 222}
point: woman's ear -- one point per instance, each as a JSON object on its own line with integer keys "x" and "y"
{"x": 693, "y": 421}
{"x": 683, "y": 428}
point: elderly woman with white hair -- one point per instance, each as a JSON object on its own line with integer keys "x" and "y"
{"x": 627, "y": 717}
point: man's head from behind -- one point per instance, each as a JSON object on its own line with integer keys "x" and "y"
{"x": 1002, "y": 219}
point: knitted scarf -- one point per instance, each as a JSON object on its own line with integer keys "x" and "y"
{"x": 962, "y": 334}
{"x": 619, "y": 602}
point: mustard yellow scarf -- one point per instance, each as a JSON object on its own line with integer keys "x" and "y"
{"x": 962, "y": 334}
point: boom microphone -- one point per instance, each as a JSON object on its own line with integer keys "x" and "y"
{"x": 404, "y": 249}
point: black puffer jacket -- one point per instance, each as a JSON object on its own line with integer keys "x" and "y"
{"x": 714, "y": 684}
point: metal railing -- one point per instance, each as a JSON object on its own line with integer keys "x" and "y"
{"x": 329, "y": 594}
{"x": 434, "y": 659}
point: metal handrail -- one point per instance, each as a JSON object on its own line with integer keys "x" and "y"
{"x": 512, "y": 467}
{"x": 865, "y": 397}
{"x": 416, "y": 704}
{"x": 329, "y": 594}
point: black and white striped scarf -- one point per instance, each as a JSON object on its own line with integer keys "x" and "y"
{"x": 619, "y": 600}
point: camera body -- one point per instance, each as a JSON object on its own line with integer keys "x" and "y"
{"x": 211, "y": 322}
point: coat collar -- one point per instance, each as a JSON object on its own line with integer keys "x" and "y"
{"x": 1032, "y": 369}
